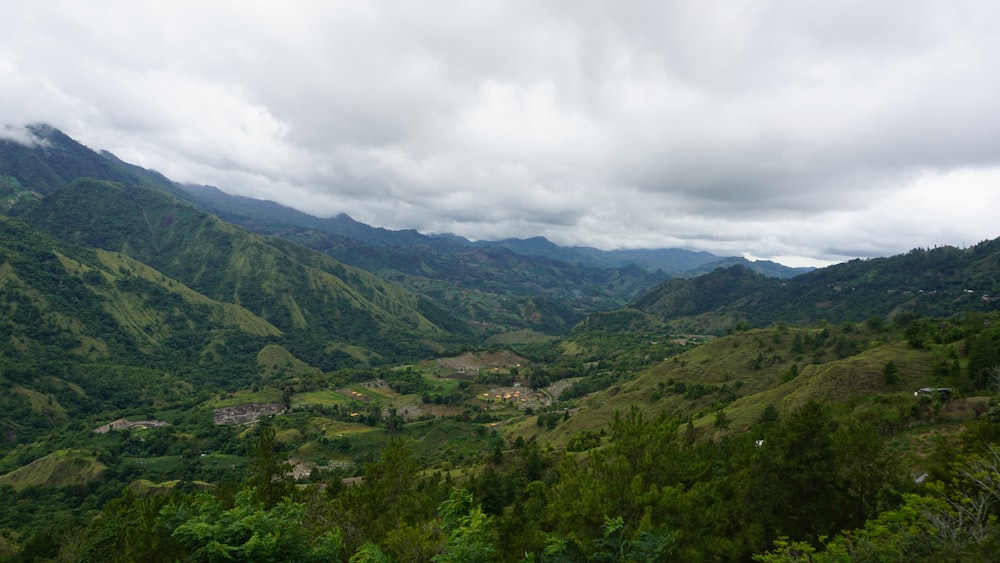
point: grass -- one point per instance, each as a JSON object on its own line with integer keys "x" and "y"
{"x": 754, "y": 366}
{"x": 523, "y": 336}
{"x": 41, "y": 402}
{"x": 442, "y": 385}
{"x": 336, "y": 428}
{"x": 170, "y": 463}
{"x": 145, "y": 486}
{"x": 265, "y": 395}
{"x": 160, "y": 464}
{"x": 275, "y": 360}
{"x": 430, "y": 440}
{"x": 222, "y": 461}
{"x": 319, "y": 398}
{"x": 457, "y": 436}
{"x": 58, "y": 469}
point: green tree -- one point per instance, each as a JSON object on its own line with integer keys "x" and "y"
{"x": 270, "y": 474}
{"x": 791, "y": 485}
{"x": 387, "y": 503}
{"x": 370, "y": 553}
{"x": 470, "y": 534}
{"x": 721, "y": 420}
{"x": 249, "y": 531}
{"x": 890, "y": 373}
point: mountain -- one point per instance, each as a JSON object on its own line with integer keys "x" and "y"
{"x": 937, "y": 282}
{"x": 272, "y": 218}
{"x": 137, "y": 330}
{"x": 268, "y": 217}
{"x": 672, "y": 261}
{"x": 497, "y": 286}
{"x": 55, "y": 160}
{"x": 763, "y": 267}
{"x": 311, "y": 298}
{"x": 492, "y": 287}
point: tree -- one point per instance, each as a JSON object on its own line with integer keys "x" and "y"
{"x": 269, "y": 479}
{"x": 721, "y": 420}
{"x": 791, "y": 485}
{"x": 387, "y": 500}
{"x": 248, "y": 531}
{"x": 470, "y": 534}
{"x": 951, "y": 522}
{"x": 370, "y": 553}
{"x": 890, "y": 373}
{"x": 984, "y": 354}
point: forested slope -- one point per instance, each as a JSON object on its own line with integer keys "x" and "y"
{"x": 314, "y": 300}
{"x": 922, "y": 282}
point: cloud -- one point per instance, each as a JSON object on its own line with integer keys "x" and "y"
{"x": 774, "y": 128}
{"x": 21, "y": 134}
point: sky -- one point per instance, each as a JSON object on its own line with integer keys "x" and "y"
{"x": 803, "y": 132}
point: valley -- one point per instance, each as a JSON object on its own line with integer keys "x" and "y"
{"x": 185, "y": 375}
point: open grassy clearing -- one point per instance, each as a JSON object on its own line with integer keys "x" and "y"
{"x": 319, "y": 398}
{"x": 58, "y": 469}
{"x": 145, "y": 486}
{"x": 265, "y": 395}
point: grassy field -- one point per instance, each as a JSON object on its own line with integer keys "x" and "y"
{"x": 319, "y": 398}
{"x": 265, "y": 395}
{"x": 58, "y": 469}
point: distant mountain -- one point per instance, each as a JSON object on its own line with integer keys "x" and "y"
{"x": 497, "y": 286}
{"x": 763, "y": 267}
{"x": 927, "y": 282}
{"x": 66, "y": 301}
{"x": 491, "y": 286}
{"x": 494, "y": 287}
{"x": 272, "y": 218}
{"x": 672, "y": 261}
{"x": 268, "y": 217}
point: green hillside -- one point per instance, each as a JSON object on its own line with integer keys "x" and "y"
{"x": 935, "y": 282}
{"x": 175, "y": 387}
{"x": 312, "y": 299}
{"x": 744, "y": 373}
{"x": 55, "y": 160}
{"x": 58, "y": 469}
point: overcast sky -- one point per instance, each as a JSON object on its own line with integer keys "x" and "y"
{"x": 805, "y": 132}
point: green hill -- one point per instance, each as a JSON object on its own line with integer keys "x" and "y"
{"x": 312, "y": 299}
{"x": 744, "y": 373}
{"x": 706, "y": 421}
{"x": 58, "y": 469}
{"x": 936, "y": 282}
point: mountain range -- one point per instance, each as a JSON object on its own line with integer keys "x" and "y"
{"x": 139, "y": 315}
{"x": 475, "y": 289}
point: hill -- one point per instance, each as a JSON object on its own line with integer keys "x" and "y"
{"x": 313, "y": 300}
{"x": 493, "y": 287}
{"x": 923, "y": 282}
{"x": 175, "y": 387}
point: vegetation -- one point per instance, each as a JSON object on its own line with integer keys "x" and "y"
{"x": 173, "y": 388}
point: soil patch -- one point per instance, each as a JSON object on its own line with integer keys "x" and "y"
{"x": 467, "y": 362}
{"x": 503, "y": 359}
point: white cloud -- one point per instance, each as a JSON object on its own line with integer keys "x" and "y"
{"x": 775, "y": 128}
